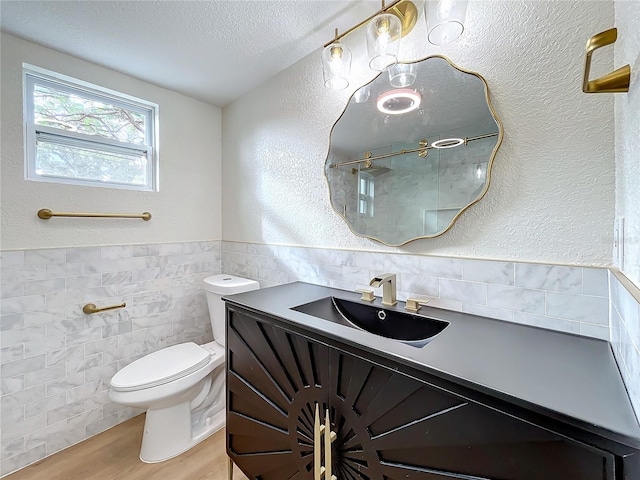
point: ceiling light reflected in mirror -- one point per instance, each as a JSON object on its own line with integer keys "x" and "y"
{"x": 448, "y": 143}
{"x": 399, "y": 101}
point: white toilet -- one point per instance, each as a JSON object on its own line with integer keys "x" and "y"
{"x": 182, "y": 386}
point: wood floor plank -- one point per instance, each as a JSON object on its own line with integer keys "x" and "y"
{"x": 113, "y": 455}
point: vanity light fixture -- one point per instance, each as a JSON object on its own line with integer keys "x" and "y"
{"x": 336, "y": 65}
{"x": 445, "y": 20}
{"x": 448, "y": 143}
{"x": 399, "y": 101}
{"x": 385, "y": 28}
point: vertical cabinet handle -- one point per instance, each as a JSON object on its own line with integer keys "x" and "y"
{"x": 322, "y": 471}
{"x": 329, "y": 437}
{"x": 317, "y": 453}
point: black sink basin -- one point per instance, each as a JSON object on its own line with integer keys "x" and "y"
{"x": 415, "y": 330}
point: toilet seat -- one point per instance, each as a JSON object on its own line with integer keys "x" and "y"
{"x": 161, "y": 367}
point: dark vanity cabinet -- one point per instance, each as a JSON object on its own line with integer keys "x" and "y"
{"x": 389, "y": 425}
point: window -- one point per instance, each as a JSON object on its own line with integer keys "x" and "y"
{"x": 366, "y": 195}
{"x": 83, "y": 134}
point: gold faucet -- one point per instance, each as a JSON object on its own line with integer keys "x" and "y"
{"x": 388, "y": 283}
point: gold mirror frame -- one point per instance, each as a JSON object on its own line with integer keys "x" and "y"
{"x": 462, "y": 209}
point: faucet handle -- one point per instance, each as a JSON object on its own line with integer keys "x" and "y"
{"x": 367, "y": 295}
{"x": 414, "y": 304}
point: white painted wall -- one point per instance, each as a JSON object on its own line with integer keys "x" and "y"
{"x": 188, "y": 205}
{"x": 552, "y": 193}
{"x": 627, "y": 114}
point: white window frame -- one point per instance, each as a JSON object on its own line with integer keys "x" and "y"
{"x": 366, "y": 197}
{"x": 33, "y": 75}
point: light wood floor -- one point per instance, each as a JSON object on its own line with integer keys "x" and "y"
{"x": 113, "y": 455}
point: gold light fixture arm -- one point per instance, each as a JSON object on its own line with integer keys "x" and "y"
{"x": 405, "y": 10}
{"x": 617, "y": 81}
{"x": 46, "y": 214}
{"x": 90, "y": 308}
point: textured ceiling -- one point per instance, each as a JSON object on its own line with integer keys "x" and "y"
{"x": 214, "y": 51}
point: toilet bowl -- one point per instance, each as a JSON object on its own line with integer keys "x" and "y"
{"x": 182, "y": 386}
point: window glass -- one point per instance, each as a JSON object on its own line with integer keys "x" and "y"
{"x": 87, "y": 163}
{"x": 84, "y": 134}
{"x": 74, "y": 113}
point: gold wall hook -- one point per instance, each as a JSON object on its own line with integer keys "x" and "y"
{"x": 617, "y": 81}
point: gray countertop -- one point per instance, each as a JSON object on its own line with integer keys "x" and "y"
{"x": 574, "y": 376}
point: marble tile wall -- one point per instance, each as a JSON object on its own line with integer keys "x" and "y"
{"x": 625, "y": 333}
{"x": 56, "y": 362}
{"x": 567, "y": 299}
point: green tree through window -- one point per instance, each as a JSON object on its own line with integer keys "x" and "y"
{"x": 81, "y": 134}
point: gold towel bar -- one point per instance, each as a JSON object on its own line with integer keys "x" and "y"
{"x": 90, "y": 308}
{"x": 46, "y": 214}
{"x": 615, "y": 82}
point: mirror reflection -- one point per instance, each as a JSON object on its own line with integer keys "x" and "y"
{"x": 412, "y": 150}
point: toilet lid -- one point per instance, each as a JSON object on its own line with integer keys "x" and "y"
{"x": 161, "y": 367}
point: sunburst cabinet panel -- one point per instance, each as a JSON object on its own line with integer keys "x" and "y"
{"x": 274, "y": 380}
{"x": 389, "y": 426}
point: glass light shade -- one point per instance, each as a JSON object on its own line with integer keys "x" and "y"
{"x": 361, "y": 95}
{"x": 384, "y": 33}
{"x": 402, "y": 75}
{"x": 336, "y": 66}
{"x": 445, "y": 20}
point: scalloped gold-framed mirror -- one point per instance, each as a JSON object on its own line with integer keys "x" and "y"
{"x": 412, "y": 150}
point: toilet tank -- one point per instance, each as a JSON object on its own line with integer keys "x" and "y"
{"x": 218, "y": 286}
